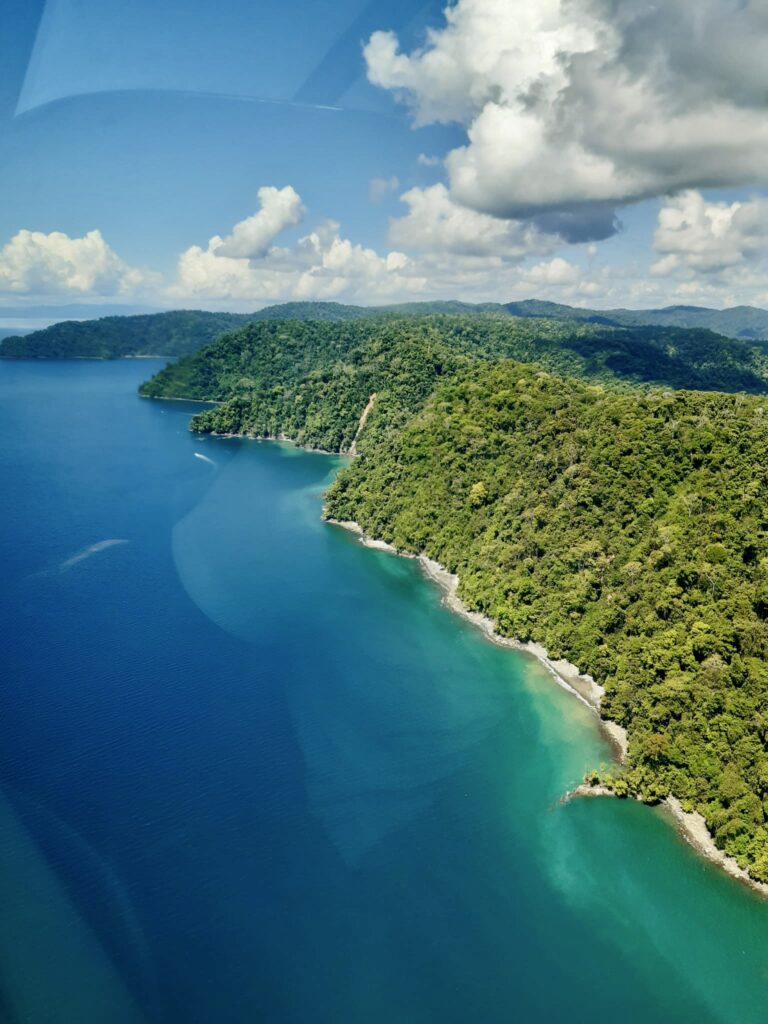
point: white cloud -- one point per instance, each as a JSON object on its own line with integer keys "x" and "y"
{"x": 696, "y": 236}
{"x": 706, "y": 252}
{"x": 439, "y": 249}
{"x": 709, "y": 252}
{"x": 379, "y": 188}
{"x": 35, "y": 263}
{"x": 321, "y": 265}
{"x": 571, "y": 102}
{"x": 556, "y": 272}
{"x": 423, "y": 160}
{"x": 252, "y": 237}
{"x": 435, "y": 223}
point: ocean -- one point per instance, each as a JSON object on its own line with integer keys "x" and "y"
{"x": 251, "y": 771}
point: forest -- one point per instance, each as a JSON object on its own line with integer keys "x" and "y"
{"x": 181, "y": 332}
{"x": 600, "y": 490}
{"x": 625, "y": 531}
{"x": 118, "y": 337}
{"x": 309, "y": 380}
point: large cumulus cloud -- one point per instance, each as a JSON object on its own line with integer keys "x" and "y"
{"x": 53, "y": 263}
{"x": 718, "y": 246}
{"x": 279, "y": 208}
{"x": 573, "y": 105}
{"x": 248, "y": 265}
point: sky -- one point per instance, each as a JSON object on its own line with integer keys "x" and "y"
{"x": 234, "y": 154}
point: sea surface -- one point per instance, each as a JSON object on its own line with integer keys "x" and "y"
{"x": 251, "y": 771}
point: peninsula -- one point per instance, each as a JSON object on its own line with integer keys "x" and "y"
{"x": 598, "y": 490}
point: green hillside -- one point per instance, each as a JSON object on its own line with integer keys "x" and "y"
{"x": 625, "y": 531}
{"x": 309, "y": 380}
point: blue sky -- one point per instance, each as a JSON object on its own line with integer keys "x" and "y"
{"x": 234, "y": 154}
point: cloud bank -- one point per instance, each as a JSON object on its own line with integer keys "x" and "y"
{"x": 571, "y": 110}
{"x": 702, "y": 250}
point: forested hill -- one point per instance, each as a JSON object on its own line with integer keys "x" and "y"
{"x": 115, "y": 337}
{"x": 310, "y": 380}
{"x": 747, "y": 322}
{"x": 180, "y": 332}
{"x": 628, "y": 532}
{"x": 184, "y": 331}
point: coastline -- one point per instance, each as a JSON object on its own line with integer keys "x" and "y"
{"x": 565, "y": 674}
{"x": 281, "y": 439}
{"x": 693, "y": 828}
{"x": 690, "y": 825}
{"x": 350, "y": 452}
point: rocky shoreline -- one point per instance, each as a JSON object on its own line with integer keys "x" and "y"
{"x": 565, "y": 674}
{"x": 690, "y": 824}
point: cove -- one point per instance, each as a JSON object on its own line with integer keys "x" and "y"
{"x": 251, "y": 770}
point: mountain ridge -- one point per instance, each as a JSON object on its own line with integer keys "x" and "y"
{"x": 180, "y": 332}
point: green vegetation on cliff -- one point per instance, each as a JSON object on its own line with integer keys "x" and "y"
{"x": 311, "y": 380}
{"x": 627, "y": 532}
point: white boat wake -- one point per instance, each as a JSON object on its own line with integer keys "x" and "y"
{"x": 93, "y": 549}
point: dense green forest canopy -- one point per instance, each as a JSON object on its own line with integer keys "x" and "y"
{"x": 181, "y": 332}
{"x": 309, "y": 380}
{"x": 626, "y": 531}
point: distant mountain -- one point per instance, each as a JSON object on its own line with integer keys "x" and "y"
{"x": 180, "y": 332}
{"x": 115, "y": 337}
{"x": 746, "y": 322}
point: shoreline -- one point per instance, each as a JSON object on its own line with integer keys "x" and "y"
{"x": 690, "y": 825}
{"x": 280, "y": 439}
{"x": 565, "y": 673}
{"x": 693, "y": 828}
{"x": 350, "y": 452}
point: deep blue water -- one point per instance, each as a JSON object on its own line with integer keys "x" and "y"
{"x": 251, "y": 771}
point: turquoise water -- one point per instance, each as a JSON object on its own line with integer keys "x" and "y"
{"x": 251, "y": 771}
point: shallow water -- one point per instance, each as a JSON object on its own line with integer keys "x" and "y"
{"x": 251, "y": 770}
